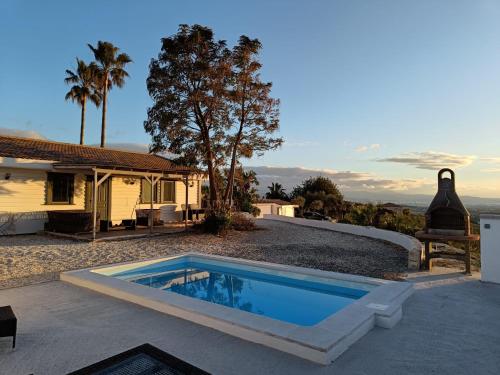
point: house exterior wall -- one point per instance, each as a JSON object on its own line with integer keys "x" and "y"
{"x": 287, "y": 211}
{"x": 265, "y": 209}
{"x": 125, "y": 196}
{"x": 275, "y": 209}
{"x": 24, "y": 195}
{"x": 490, "y": 248}
{"x": 125, "y": 199}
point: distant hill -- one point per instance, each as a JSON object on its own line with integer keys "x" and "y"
{"x": 412, "y": 199}
{"x": 354, "y": 184}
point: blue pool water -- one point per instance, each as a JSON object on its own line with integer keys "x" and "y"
{"x": 301, "y": 300}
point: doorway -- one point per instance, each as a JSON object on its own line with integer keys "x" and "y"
{"x": 103, "y": 201}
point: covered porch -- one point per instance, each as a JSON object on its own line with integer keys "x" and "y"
{"x": 128, "y": 203}
{"x": 121, "y": 233}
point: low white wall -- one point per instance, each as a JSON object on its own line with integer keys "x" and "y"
{"x": 490, "y": 248}
{"x": 275, "y": 209}
{"x": 414, "y": 246}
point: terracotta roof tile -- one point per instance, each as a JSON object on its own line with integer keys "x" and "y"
{"x": 71, "y": 154}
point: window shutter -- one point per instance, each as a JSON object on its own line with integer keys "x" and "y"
{"x": 71, "y": 188}
{"x": 48, "y": 195}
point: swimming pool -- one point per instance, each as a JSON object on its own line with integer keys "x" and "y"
{"x": 301, "y": 301}
{"x": 310, "y": 313}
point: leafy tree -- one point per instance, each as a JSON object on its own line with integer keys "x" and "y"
{"x": 316, "y": 205}
{"x": 254, "y": 114}
{"x": 112, "y": 73}
{"x": 245, "y": 192}
{"x": 84, "y": 87}
{"x": 320, "y": 189}
{"x": 299, "y": 201}
{"x": 316, "y": 185}
{"x": 276, "y": 191}
{"x": 189, "y": 116}
{"x": 210, "y": 107}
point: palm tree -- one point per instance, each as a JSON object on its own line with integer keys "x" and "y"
{"x": 111, "y": 68}
{"x": 84, "y": 82}
{"x": 276, "y": 191}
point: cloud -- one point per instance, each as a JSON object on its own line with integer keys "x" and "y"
{"x": 21, "y": 133}
{"x": 346, "y": 180}
{"x": 364, "y": 148}
{"x": 431, "y": 160}
{"x": 491, "y": 160}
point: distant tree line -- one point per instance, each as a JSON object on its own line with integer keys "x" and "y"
{"x": 321, "y": 195}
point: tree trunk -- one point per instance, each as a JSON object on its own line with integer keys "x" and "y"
{"x": 82, "y": 123}
{"x": 214, "y": 195}
{"x": 228, "y": 194}
{"x": 104, "y": 108}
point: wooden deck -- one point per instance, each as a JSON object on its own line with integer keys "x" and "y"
{"x": 121, "y": 233}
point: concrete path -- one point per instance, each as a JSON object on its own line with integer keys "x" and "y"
{"x": 451, "y": 325}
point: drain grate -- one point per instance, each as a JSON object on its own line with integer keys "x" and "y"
{"x": 142, "y": 360}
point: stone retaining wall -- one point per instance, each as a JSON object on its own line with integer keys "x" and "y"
{"x": 414, "y": 246}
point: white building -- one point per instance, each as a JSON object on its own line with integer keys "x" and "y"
{"x": 37, "y": 176}
{"x": 275, "y": 207}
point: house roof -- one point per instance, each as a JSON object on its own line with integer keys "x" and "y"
{"x": 276, "y": 201}
{"x": 78, "y": 155}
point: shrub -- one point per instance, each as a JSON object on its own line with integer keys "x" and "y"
{"x": 247, "y": 206}
{"x": 242, "y": 222}
{"x": 255, "y": 211}
{"x": 216, "y": 223}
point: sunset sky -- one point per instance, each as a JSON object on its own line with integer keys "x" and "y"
{"x": 377, "y": 94}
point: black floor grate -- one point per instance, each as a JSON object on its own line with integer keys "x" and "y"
{"x": 142, "y": 360}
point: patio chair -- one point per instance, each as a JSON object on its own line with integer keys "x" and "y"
{"x": 8, "y": 324}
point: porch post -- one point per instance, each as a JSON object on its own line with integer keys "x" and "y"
{"x": 187, "y": 200}
{"x": 151, "y": 206}
{"x": 94, "y": 206}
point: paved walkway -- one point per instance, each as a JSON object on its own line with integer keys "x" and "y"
{"x": 451, "y": 325}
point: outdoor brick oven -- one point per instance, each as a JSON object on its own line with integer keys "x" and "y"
{"x": 447, "y": 220}
{"x": 447, "y": 215}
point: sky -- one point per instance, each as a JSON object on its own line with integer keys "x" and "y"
{"x": 376, "y": 94}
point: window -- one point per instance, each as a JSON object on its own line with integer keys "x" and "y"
{"x": 164, "y": 191}
{"x": 146, "y": 192}
{"x": 167, "y": 191}
{"x": 60, "y": 188}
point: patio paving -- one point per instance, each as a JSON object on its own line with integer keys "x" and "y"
{"x": 451, "y": 325}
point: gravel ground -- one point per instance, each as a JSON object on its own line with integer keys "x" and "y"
{"x": 34, "y": 258}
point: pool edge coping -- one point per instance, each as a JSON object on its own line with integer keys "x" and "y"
{"x": 320, "y": 343}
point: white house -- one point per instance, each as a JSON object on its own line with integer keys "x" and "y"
{"x": 37, "y": 176}
{"x": 275, "y": 207}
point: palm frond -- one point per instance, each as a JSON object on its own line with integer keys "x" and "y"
{"x": 123, "y": 59}
{"x": 85, "y": 80}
